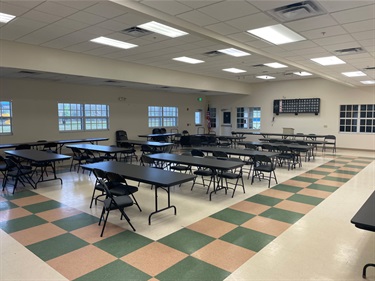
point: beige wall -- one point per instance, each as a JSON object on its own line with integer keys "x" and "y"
{"x": 35, "y": 108}
{"x": 327, "y": 122}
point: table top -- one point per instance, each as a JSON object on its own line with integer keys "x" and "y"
{"x": 236, "y": 151}
{"x": 279, "y": 134}
{"x": 197, "y": 161}
{"x": 159, "y": 135}
{"x": 37, "y": 155}
{"x": 61, "y": 142}
{"x": 144, "y": 174}
{"x": 150, "y": 143}
{"x": 365, "y": 217}
{"x": 309, "y": 141}
{"x": 289, "y": 145}
{"x": 98, "y": 148}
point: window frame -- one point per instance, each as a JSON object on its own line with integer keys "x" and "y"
{"x": 162, "y": 116}
{"x": 249, "y": 118}
{"x": 83, "y": 118}
{"x": 357, "y": 118}
{"x": 4, "y": 119}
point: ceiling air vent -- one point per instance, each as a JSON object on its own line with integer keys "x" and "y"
{"x": 213, "y": 54}
{"x": 258, "y": 65}
{"x": 136, "y": 31}
{"x": 297, "y": 11}
{"x": 28, "y": 72}
{"x": 370, "y": 68}
{"x": 349, "y": 51}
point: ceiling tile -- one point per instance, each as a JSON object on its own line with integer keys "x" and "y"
{"x": 54, "y": 8}
{"x": 360, "y": 26}
{"x": 323, "y": 32}
{"x": 333, "y": 40}
{"x": 170, "y": 7}
{"x": 106, "y": 9}
{"x": 222, "y": 28}
{"x": 251, "y": 22}
{"x": 311, "y": 23}
{"x": 334, "y": 6}
{"x": 87, "y": 18}
{"x": 197, "y": 18}
{"x": 228, "y": 10}
{"x": 353, "y": 15}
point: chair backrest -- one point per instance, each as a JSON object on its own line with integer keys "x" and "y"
{"x": 220, "y": 154}
{"x": 197, "y": 153}
{"x": 163, "y": 130}
{"x": 50, "y": 146}
{"x": 146, "y": 149}
{"x": 250, "y": 146}
{"x": 114, "y": 177}
{"x": 330, "y": 137}
{"x": 262, "y": 160}
{"x": 147, "y": 161}
{"x": 99, "y": 174}
{"x": 23, "y": 146}
{"x": 156, "y": 131}
{"x": 185, "y": 133}
{"x": 121, "y": 135}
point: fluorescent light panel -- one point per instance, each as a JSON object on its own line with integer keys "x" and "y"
{"x": 234, "y": 52}
{"x": 328, "y": 60}
{"x": 275, "y": 65}
{"x": 354, "y": 74}
{"x": 113, "y": 43}
{"x": 5, "y": 18}
{"x": 368, "y": 82}
{"x": 266, "y": 77}
{"x": 188, "y": 60}
{"x": 276, "y": 34}
{"x": 302, "y": 73}
{"x": 234, "y": 70}
{"x": 162, "y": 29}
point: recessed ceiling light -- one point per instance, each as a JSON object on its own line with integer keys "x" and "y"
{"x": 276, "y": 34}
{"x": 354, "y": 74}
{"x": 266, "y": 77}
{"x": 6, "y": 17}
{"x": 234, "y": 70}
{"x": 234, "y": 52}
{"x": 162, "y": 29}
{"x": 188, "y": 60}
{"x": 328, "y": 60}
{"x": 275, "y": 65}
{"x": 113, "y": 43}
{"x": 368, "y": 82}
{"x": 302, "y": 73}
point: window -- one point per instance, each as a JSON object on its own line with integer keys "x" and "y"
{"x": 83, "y": 117}
{"x": 357, "y": 118}
{"x": 162, "y": 116}
{"x": 248, "y": 118}
{"x": 213, "y": 117}
{"x": 5, "y": 117}
{"x": 198, "y": 117}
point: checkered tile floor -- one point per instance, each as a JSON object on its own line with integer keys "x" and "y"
{"x": 210, "y": 249}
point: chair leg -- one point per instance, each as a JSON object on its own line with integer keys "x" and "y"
{"x": 127, "y": 218}
{"x": 136, "y": 203}
{"x": 105, "y": 222}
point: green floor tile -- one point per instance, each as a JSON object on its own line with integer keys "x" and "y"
{"x": 6, "y": 205}
{"x": 264, "y": 200}
{"x": 192, "y": 269}
{"x": 117, "y": 270}
{"x": 282, "y": 215}
{"x": 21, "y": 223}
{"x": 322, "y": 187}
{"x": 345, "y": 172}
{"x": 77, "y": 221}
{"x": 56, "y": 246}
{"x": 339, "y": 179}
{"x": 305, "y": 199}
{"x": 287, "y": 188}
{"x": 123, "y": 243}
{"x": 43, "y": 206}
{"x": 306, "y": 179}
{"x": 316, "y": 172}
{"x": 327, "y": 166}
{"x": 232, "y": 216}
{"x": 186, "y": 240}
{"x": 19, "y": 194}
{"x": 248, "y": 238}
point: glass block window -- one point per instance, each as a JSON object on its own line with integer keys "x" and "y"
{"x": 357, "y": 118}
{"x": 162, "y": 116}
{"x": 248, "y": 118}
{"x": 5, "y": 117}
{"x": 96, "y": 116}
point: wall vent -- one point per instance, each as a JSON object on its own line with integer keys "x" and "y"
{"x": 349, "y": 51}
{"x": 297, "y": 11}
{"x": 136, "y": 31}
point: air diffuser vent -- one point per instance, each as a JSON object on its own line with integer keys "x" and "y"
{"x": 136, "y": 31}
{"x": 369, "y": 68}
{"x": 258, "y": 65}
{"x": 297, "y": 11}
{"x": 213, "y": 54}
{"x": 28, "y": 72}
{"x": 349, "y": 51}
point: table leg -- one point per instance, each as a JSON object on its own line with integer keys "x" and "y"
{"x": 169, "y": 206}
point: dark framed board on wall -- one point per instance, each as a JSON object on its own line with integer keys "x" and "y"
{"x": 296, "y": 106}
